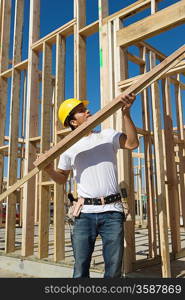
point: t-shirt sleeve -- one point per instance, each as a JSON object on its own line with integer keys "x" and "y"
{"x": 114, "y": 137}
{"x": 64, "y": 162}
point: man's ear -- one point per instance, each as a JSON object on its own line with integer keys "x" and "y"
{"x": 73, "y": 123}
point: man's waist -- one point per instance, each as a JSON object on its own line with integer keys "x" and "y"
{"x": 103, "y": 200}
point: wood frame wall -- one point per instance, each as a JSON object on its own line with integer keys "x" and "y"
{"x": 163, "y": 168}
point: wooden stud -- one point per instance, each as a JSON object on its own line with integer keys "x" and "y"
{"x": 65, "y": 30}
{"x": 159, "y": 22}
{"x": 80, "y": 51}
{"x": 125, "y": 174}
{"x": 31, "y": 131}
{"x": 173, "y": 196}
{"x": 104, "y": 58}
{"x": 79, "y": 55}
{"x": 148, "y": 165}
{"x": 44, "y": 195}
{"x": 5, "y": 35}
{"x": 181, "y": 152}
{"x": 153, "y": 7}
{"x": 14, "y": 129}
{"x": 161, "y": 200}
{"x": 59, "y": 216}
{"x": 5, "y": 9}
{"x": 89, "y": 29}
{"x": 130, "y": 10}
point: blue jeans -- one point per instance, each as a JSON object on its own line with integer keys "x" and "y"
{"x": 109, "y": 225}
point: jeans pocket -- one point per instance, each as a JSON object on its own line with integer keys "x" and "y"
{"x": 117, "y": 215}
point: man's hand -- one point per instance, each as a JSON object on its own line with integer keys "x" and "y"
{"x": 49, "y": 167}
{"x": 127, "y": 101}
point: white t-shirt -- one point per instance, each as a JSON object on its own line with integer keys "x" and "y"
{"x": 94, "y": 162}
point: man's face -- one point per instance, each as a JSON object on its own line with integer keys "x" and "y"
{"x": 81, "y": 114}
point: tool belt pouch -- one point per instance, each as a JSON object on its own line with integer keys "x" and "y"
{"x": 76, "y": 208}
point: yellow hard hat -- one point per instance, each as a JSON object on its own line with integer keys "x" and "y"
{"x": 67, "y": 106}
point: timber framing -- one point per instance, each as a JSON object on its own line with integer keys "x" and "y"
{"x": 33, "y": 92}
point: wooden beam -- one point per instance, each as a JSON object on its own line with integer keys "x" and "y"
{"x": 181, "y": 152}
{"x": 179, "y": 68}
{"x": 130, "y": 10}
{"x": 136, "y": 60}
{"x": 98, "y": 117}
{"x": 159, "y": 153}
{"x": 59, "y": 213}
{"x": 148, "y": 165}
{"x": 1, "y": 18}
{"x": 3, "y": 105}
{"x": 104, "y": 57}
{"x": 31, "y": 131}
{"x": 18, "y": 32}
{"x": 171, "y": 171}
{"x": 161, "y": 21}
{"x": 90, "y": 29}
{"x": 12, "y": 162}
{"x": 65, "y": 30}
{"x": 44, "y": 193}
{"x": 14, "y": 128}
{"x": 80, "y": 51}
{"x": 153, "y": 6}
{"x": 5, "y": 35}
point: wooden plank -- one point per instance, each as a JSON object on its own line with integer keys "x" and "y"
{"x": 161, "y": 21}
{"x": 101, "y": 115}
{"x": 125, "y": 168}
{"x": 153, "y": 6}
{"x": 1, "y": 18}
{"x": 31, "y": 131}
{"x": 2, "y": 148}
{"x": 80, "y": 51}
{"x": 79, "y": 55}
{"x": 12, "y": 162}
{"x": 65, "y": 30}
{"x": 179, "y": 68}
{"x": 44, "y": 193}
{"x": 160, "y": 193}
{"x": 149, "y": 47}
{"x": 104, "y": 58}
{"x": 7, "y": 73}
{"x": 59, "y": 214}
{"x": 135, "y": 59}
{"x": 3, "y": 97}
{"x": 130, "y": 10}
{"x": 90, "y": 29}
{"x": 14, "y": 129}
{"x": 18, "y": 31}
{"x": 3, "y": 103}
{"x": 181, "y": 152}
{"x": 148, "y": 165}
{"x": 171, "y": 171}
{"x": 5, "y": 35}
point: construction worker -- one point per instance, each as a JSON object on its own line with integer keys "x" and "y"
{"x": 99, "y": 209}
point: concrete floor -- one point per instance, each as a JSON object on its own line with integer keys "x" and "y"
{"x": 13, "y": 266}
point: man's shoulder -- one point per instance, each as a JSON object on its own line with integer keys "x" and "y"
{"x": 109, "y": 131}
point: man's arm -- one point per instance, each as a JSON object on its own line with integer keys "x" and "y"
{"x": 59, "y": 176}
{"x": 129, "y": 140}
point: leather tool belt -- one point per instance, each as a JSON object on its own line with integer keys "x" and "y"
{"x": 102, "y": 200}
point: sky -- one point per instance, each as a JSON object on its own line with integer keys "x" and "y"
{"x": 56, "y": 13}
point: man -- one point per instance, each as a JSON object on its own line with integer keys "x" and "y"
{"x": 94, "y": 165}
